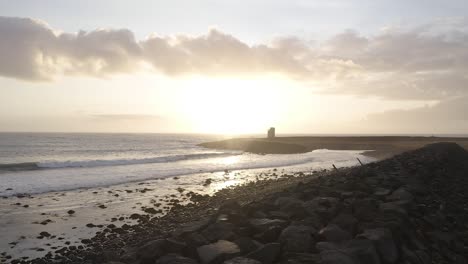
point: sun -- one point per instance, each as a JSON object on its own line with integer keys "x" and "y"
{"x": 231, "y": 106}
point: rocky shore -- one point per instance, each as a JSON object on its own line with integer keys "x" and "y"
{"x": 412, "y": 208}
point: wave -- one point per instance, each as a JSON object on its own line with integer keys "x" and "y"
{"x": 114, "y": 162}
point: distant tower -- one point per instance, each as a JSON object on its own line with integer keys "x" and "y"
{"x": 271, "y": 132}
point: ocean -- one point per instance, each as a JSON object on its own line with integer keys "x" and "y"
{"x": 33, "y": 163}
{"x": 102, "y": 177}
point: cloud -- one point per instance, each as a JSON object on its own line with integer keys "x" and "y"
{"x": 429, "y": 62}
{"x": 445, "y": 117}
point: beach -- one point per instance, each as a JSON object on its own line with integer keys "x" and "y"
{"x": 44, "y": 209}
{"x": 56, "y": 224}
{"x": 397, "y": 209}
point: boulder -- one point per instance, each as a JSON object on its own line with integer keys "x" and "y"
{"x": 266, "y": 254}
{"x": 152, "y": 250}
{"x": 365, "y": 209}
{"x": 296, "y": 238}
{"x": 263, "y": 224}
{"x": 293, "y": 207}
{"x": 335, "y": 257}
{"x": 362, "y": 250}
{"x": 242, "y": 260}
{"x": 400, "y": 194}
{"x": 193, "y": 226}
{"x": 247, "y": 245}
{"x": 346, "y": 221}
{"x": 333, "y": 233}
{"x": 299, "y": 258}
{"x": 269, "y": 235}
{"x": 175, "y": 259}
{"x": 383, "y": 242}
{"x": 325, "y": 246}
{"x": 218, "y": 231}
{"x": 325, "y": 207}
{"x": 217, "y": 252}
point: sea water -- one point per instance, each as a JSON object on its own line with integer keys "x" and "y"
{"x": 33, "y": 163}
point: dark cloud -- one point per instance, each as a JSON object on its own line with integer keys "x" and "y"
{"x": 425, "y": 63}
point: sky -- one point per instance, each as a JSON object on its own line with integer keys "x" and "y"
{"x": 234, "y": 67}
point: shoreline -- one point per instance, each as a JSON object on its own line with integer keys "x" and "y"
{"x": 380, "y": 147}
{"x": 403, "y": 182}
{"x": 24, "y": 217}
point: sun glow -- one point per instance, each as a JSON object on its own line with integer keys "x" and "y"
{"x": 232, "y": 106}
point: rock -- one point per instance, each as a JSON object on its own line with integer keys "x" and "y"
{"x": 333, "y": 233}
{"x": 393, "y": 208}
{"x": 381, "y": 192}
{"x": 383, "y": 242}
{"x": 399, "y": 195}
{"x": 325, "y": 246}
{"x": 263, "y": 224}
{"x": 325, "y": 207}
{"x": 291, "y": 206}
{"x": 269, "y": 235}
{"x": 242, "y": 260}
{"x": 44, "y": 234}
{"x": 193, "y": 226}
{"x": 217, "y": 252}
{"x": 174, "y": 246}
{"x": 152, "y": 250}
{"x": 299, "y": 258}
{"x": 70, "y": 212}
{"x": 175, "y": 259}
{"x": 346, "y": 221}
{"x": 335, "y": 257}
{"x": 266, "y": 254}
{"x": 218, "y": 231}
{"x": 297, "y": 238}
{"x": 247, "y": 244}
{"x": 362, "y": 250}
{"x": 365, "y": 209}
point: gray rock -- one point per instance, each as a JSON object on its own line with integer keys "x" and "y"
{"x": 325, "y": 207}
{"x": 399, "y": 195}
{"x": 263, "y": 224}
{"x": 346, "y": 221}
{"x": 175, "y": 259}
{"x": 151, "y": 250}
{"x": 217, "y": 252}
{"x": 242, "y": 260}
{"x": 174, "y": 246}
{"x": 300, "y": 258}
{"x": 335, "y": 257}
{"x": 297, "y": 238}
{"x": 383, "y": 242}
{"x": 247, "y": 245}
{"x": 333, "y": 233}
{"x": 393, "y": 208}
{"x": 381, "y": 192}
{"x": 193, "y": 226}
{"x": 218, "y": 231}
{"x": 365, "y": 209}
{"x": 325, "y": 246}
{"x": 363, "y": 251}
{"x": 266, "y": 254}
{"x": 269, "y": 235}
{"x": 291, "y": 206}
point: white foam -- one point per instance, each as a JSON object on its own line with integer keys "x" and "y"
{"x": 62, "y": 179}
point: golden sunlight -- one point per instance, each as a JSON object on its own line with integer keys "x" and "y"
{"x": 234, "y": 106}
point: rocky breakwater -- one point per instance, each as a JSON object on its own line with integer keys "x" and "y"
{"x": 412, "y": 208}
